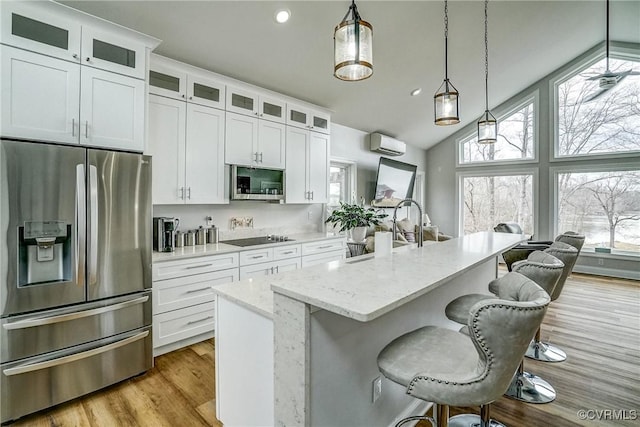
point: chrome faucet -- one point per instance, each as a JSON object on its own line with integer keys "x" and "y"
{"x": 418, "y": 234}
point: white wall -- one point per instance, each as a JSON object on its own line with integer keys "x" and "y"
{"x": 352, "y": 144}
{"x": 346, "y": 143}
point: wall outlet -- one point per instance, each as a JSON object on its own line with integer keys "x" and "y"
{"x": 376, "y": 389}
{"x": 309, "y": 215}
{"x": 600, "y": 261}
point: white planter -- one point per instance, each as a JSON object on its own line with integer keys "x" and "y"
{"x": 358, "y": 234}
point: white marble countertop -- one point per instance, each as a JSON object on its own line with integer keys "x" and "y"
{"x": 367, "y": 287}
{"x": 220, "y": 248}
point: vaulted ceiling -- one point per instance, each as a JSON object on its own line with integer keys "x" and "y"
{"x": 240, "y": 39}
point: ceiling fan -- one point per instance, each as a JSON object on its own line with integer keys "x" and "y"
{"x": 608, "y": 79}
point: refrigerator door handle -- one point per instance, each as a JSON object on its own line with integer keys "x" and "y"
{"x": 92, "y": 241}
{"x": 73, "y": 357}
{"x": 29, "y": 323}
{"x": 81, "y": 223}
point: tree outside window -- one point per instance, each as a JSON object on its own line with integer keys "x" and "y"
{"x": 606, "y": 124}
{"x": 515, "y": 139}
{"x": 490, "y": 200}
{"x": 604, "y": 206}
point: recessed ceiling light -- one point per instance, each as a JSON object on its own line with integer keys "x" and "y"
{"x": 416, "y": 91}
{"x": 282, "y": 16}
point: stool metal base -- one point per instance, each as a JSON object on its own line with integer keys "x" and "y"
{"x": 416, "y": 418}
{"x": 545, "y": 352}
{"x": 530, "y": 388}
{"x": 471, "y": 420}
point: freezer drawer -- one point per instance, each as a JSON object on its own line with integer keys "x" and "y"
{"x": 64, "y": 375}
{"x": 51, "y": 330}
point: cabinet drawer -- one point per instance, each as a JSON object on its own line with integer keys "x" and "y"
{"x": 183, "y": 292}
{"x": 181, "y": 324}
{"x": 322, "y": 246}
{"x": 190, "y": 266}
{"x": 256, "y": 256}
{"x": 284, "y": 252}
{"x": 322, "y": 258}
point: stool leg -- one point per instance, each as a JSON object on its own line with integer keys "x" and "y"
{"x": 544, "y": 352}
{"x": 472, "y": 420}
{"x": 442, "y": 415}
{"x": 530, "y": 388}
{"x": 485, "y": 417}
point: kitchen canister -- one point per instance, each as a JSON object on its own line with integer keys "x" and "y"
{"x": 179, "y": 239}
{"x": 190, "y": 238}
{"x": 212, "y": 235}
{"x": 201, "y": 236}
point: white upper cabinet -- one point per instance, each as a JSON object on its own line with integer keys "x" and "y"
{"x": 187, "y": 145}
{"x": 252, "y": 103}
{"x": 181, "y": 81}
{"x": 72, "y": 78}
{"x": 113, "y": 52}
{"x": 27, "y": 26}
{"x": 307, "y": 166}
{"x": 253, "y": 142}
{"x": 308, "y": 118}
{"x": 111, "y": 110}
{"x": 39, "y": 97}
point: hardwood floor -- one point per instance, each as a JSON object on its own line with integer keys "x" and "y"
{"x": 596, "y": 321}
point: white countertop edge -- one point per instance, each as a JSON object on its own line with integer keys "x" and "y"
{"x": 343, "y": 309}
{"x": 253, "y": 306}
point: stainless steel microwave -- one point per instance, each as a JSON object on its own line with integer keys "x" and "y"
{"x": 256, "y": 183}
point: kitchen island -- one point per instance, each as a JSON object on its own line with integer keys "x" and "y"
{"x": 300, "y": 348}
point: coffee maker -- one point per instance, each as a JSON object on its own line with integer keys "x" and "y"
{"x": 164, "y": 230}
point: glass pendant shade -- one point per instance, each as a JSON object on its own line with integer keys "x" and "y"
{"x": 353, "y": 50}
{"x": 487, "y": 129}
{"x": 445, "y": 103}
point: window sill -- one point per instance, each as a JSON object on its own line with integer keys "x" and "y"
{"x": 617, "y": 254}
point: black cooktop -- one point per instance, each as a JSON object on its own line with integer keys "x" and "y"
{"x": 253, "y": 241}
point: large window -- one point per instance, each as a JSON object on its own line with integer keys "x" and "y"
{"x": 488, "y": 200}
{"x": 593, "y": 120}
{"x": 604, "y": 206}
{"x": 342, "y": 182}
{"x": 516, "y": 138}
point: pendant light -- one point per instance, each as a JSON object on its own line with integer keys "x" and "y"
{"x": 487, "y": 125}
{"x": 445, "y": 101}
{"x": 353, "y": 47}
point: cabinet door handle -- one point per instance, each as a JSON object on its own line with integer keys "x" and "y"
{"x": 198, "y": 266}
{"x": 277, "y": 269}
{"x": 271, "y": 270}
{"x": 199, "y": 320}
{"x": 86, "y": 129}
{"x": 88, "y": 59}
{"x": 312, "y": 195}
{"x": 75, "y": 56}
{"x": 324, "y": 247}
{"x": 257, "y": 256}
{"x": 191, "y": 97}
{"x": 261, "y": 157}
{"x": 287, "y": 252}
{"x": 183, "y": 96}
{"x": 191, "y": 291}
{"x": 189, "y": 193}
{"x": 73, "y": 127}
{"x": 181, "y": 193}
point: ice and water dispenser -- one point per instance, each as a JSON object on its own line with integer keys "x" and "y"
{"x": 44, "y": 252}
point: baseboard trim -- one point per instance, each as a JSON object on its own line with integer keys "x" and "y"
{"x": 418, "y": 407}
{"x": 610, "y": 272}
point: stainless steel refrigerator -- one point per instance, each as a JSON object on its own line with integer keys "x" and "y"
{"x": 75, "y": 272}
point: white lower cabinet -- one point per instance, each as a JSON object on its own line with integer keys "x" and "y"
{"x": 266, "y": 261}
{"x": 183, "y": 301}
{"x": 323, "y": 251}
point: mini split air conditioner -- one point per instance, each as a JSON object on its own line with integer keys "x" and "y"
{"x": 387, "y": 145}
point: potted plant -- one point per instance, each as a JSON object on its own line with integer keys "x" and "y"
{"x": 355, "y": 218}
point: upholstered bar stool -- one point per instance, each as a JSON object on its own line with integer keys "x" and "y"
{"x": 451, "y": 368}
{"x": 568, "y": 254}
{"x": 545, "y": 270}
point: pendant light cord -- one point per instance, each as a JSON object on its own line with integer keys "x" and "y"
{"x": 607, "y": 36}
{"x": 446, "y": 38}
{"x": 486, "y": 57}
